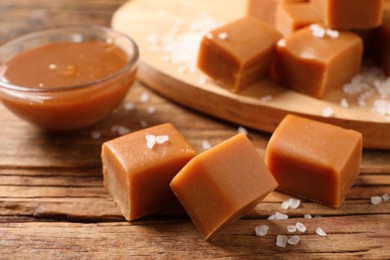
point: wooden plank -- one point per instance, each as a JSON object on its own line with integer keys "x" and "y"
{"x": 366, "y": 236}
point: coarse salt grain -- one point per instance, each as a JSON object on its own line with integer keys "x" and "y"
{"x": 294, "y": 203}
{"x": 144, "y": 97}
{"x": 52, "y": 66}
{"x": 160, "y": 139}
{"x": 123, "y": 130}
{"x": 278, "y": 216}
{"x": 291, "y": 228}
{"x": 385, "y": 197}
{"x": 293, "y": 240}
{"x": 375, "y": 200}
{"x": 261, "y": 230}
{"x": 317, "y": 31}
{"x": 152, "y": 110}
{"x": 128, "y": 105}
{"x": 281, "y": 240}
{"x": 301, "y": 227}
{"x": 344, "y": 103}
{"x": 307, "y": 216}
{"x": 222, "y": 36}
{"x": 332, "y": 33}
{"x": 150, "y": 141}
{"x": 206, "y": 145}
{"x": 285, "y": 204}
{"x": 242, "y": 130}
{"x": 96, "y": 135}
{"x": 328, "y": 112}
{"x": 320, "y": 232}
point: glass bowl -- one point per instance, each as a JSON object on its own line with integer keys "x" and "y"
{"x": 67, "y": 106}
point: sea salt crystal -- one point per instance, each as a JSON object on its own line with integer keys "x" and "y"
{"x": 385, "y": 197}
{"x": 160, "y": 139}
{"x": 128, "y": 105}
{"x": 261, "y": 230}
{"x": 52, "y": 66}
{"x": 285, "y": 204}
{"x": 375, "y": 200}
{"x": 293, "y": 240}
{"x": 307, "y": 216}
{"x": 328, "y": 112}
{"x": 317, "y": 31}
{"x": 152, "y": 110}
{"x": 301, "y": 227}
{"x": 291, "y": 228}
{"x": 96, "y": 135}
{"x": 294, "y": 203}
{"x": 242, "y": 130}
{"x": 144, "y": 97}
{"x": 320, "y": 232}
{"x": 150, "y": 141}
{"x": 281, "y": 240}
{"x": 332, "y": 33}
{"x": 344, "y": 103}
{"x": 280, "y": 216}
{"x": 222, "y": 36}
{"x": 206, "y": 145}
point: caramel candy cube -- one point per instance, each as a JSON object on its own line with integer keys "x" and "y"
{"x": 265, "y": 10}
{"x": 381, "y": 42}
{"x": 315, "y": 60}
{"x": 314, "y": 160}
{"x": 138, "y": 167}
{"x": 350, "y": 14}
{"x": 293, "y": 16}
{"x": 238, "y": 53}
{"x": 221, "y": 184}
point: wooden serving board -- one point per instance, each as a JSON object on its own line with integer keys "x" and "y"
{"x": 151, "y": 22}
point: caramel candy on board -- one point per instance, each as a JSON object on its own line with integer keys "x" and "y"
{"x": 265, "y": 10}
{"x": 350, "y": 14}
{"x": 221, "y": 184}
{"x": 293, "y": 16}
{"x": 381, "y": 41}
{"x": 315, "y": 60}
{"x": 138, "y": 167}
{"x": 314, "y": 160}
{"x": 238, "y": 53}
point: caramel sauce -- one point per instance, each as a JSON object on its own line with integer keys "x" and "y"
{"x": 65, "y": 64}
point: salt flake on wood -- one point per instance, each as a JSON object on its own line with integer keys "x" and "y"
{"x": 328, "y": 112}
{"x": 320, "y": 232}
{"x": 293, "y": 240}
{"x": 300, "y": 227}
{"x": 261, "y": 230}
{"x": 375, "y": 200}
{"x": 291, "y": 228}
{"x": 385, "y": 197}
{"x": 281, "y": 240}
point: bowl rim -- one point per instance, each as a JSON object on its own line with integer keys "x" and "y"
{"x": 131, "y": 64}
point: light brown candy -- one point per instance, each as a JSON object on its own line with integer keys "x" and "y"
{"x": 314, "y": 160}
{"x": 314, "y": 60}
{"x": 293, "y": 16}
{"x": 137, "y": 172}
{"x": 350, "y": 14}
{"x": 221, "y": 184}
{"x": 238, "y": 53}
{"x": 265, "y": 10}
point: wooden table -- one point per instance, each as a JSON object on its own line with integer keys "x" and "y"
{"x": 53, "y": 204}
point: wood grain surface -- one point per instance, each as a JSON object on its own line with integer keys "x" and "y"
{"x": 162, "y": 25}
{"x": 53, "y": 204}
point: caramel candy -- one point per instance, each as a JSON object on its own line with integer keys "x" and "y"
{"x": 350, "y": 14}
{"x": 138, "y": 167}
{"x": 221, "y": 184}
{"x": 314, "y": 160}
{"x": 265, "y": 10}
{"x": 381, "y": 42}
{"x": 315, "y": 60}
{"x": 238, "y": 53}
{"x": 293, "y": 16}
